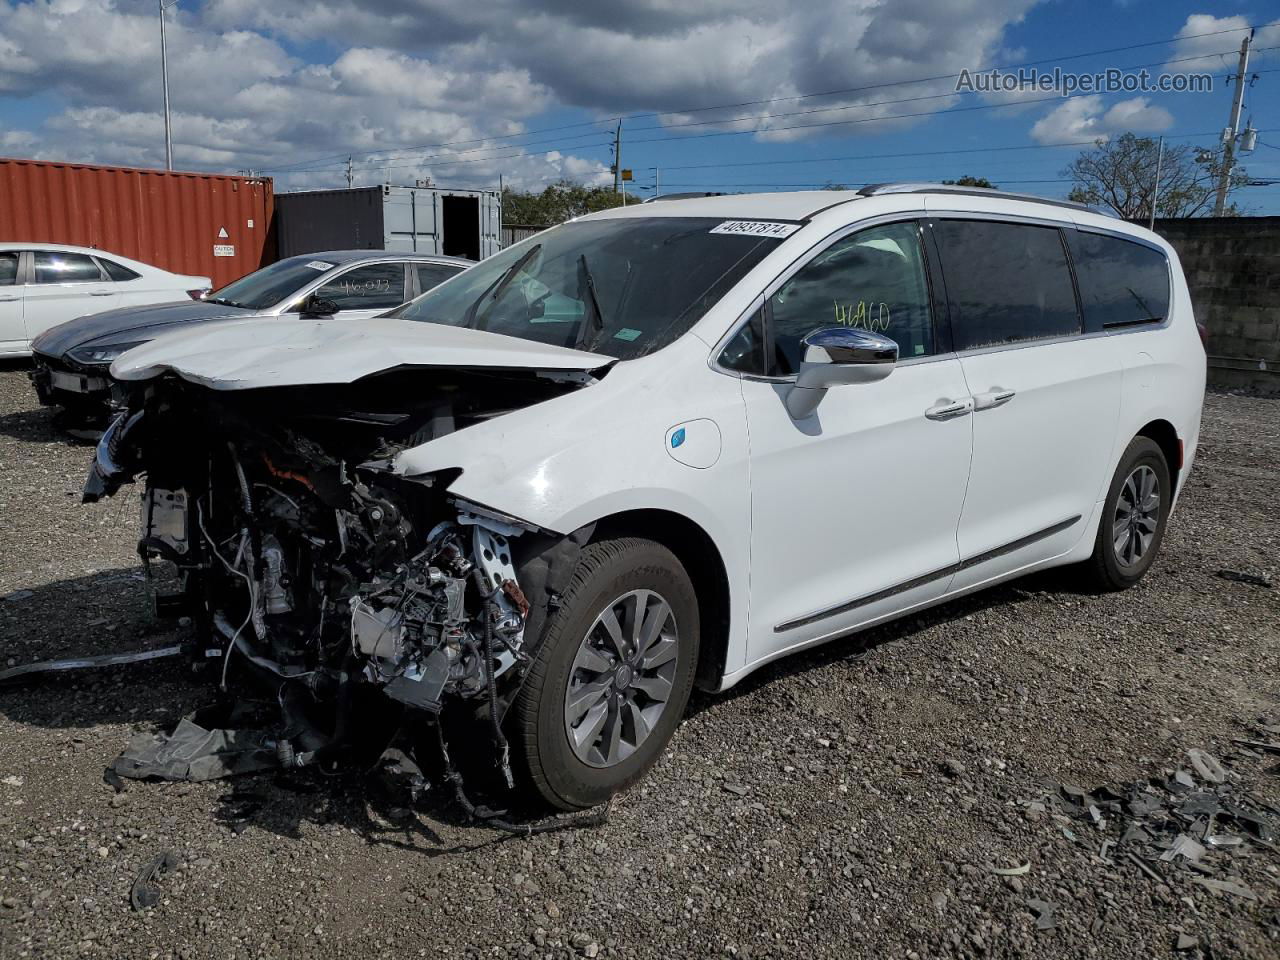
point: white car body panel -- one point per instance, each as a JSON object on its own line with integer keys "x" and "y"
{"x": 27, "y": 310}
{"x": 867, "y": 468}
{"x": 284, "y": 351}
{"x": 851, "y": 504}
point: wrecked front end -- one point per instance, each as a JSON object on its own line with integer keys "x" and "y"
{"x": 314, "y": 573}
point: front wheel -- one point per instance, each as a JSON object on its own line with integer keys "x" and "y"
{"x": 1133, "y": 517}
{"x": 612, "y": 678}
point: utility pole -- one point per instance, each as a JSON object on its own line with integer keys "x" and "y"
{"x": 1155, "y": 187}
{"x": 1229, "y": 134}
{"x": 164, "y": 70}
{"x": 351, "y": 178}
{"x": 657, "y": 181}
{"x": 617, "y": 158}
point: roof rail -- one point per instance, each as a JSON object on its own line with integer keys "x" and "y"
{"x": 880, "y": 189}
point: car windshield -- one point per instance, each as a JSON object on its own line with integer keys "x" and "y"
{"x": 623, "y": 286}
{"x": 266, "y": 287}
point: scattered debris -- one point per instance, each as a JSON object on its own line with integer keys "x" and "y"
{"x": 1137, "y": 861}
{"x": 86, "y": 663}
{"x": 193, "y": 753}
{"x": 12, "y": 781}
{"x": 1207, "y": 768}
{"x": 1232, "y": 887}
{"x": 737, "y": 789}
{"x": 1043, "y": 909}
{"x": 144, "y": 893}
{"x": 1185, "y": 942}
{"x": 1176, "y": 820}
{"x": 17, "y": 595}
{"x": 1259, "y": 745}
{"x": 1183, "y": 846}
{"x": 1250, "y": 578}
{"x": 1012, "y": 871}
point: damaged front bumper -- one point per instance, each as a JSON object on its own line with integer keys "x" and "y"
{"x": 314, "y": 573}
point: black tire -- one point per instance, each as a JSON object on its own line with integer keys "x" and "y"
{"x": 608, "y": 570}
{"x": 1104, "y": 569}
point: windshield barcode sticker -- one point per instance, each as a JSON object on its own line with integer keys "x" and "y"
{"x": 756, "y": 228}
{"x": 320, "y": 265}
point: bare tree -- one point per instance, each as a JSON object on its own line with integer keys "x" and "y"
{"x": 1121, "y": 174}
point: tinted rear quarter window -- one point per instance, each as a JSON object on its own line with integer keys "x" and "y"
{"x": 1122, "y": 283}
{"x": 1006, "y": 282}
{"x": 8, "y": 269}
{"x": 117, "y": 271}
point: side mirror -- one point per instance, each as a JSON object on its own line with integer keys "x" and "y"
{"x": 315, "y": 306}
{"x": 834, "y": 356}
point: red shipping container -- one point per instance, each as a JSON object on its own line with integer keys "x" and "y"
{"x": 206, "y": 224}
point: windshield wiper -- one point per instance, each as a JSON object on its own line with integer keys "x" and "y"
{"x": 494, "y": 290}
{"x": 595, "y": 314}
{"x": 223, "y": 301}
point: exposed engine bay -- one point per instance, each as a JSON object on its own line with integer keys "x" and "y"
{"x": 310, "y": 569}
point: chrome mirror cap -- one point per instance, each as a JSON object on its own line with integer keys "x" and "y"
{"x": 838, "y": 355}
{"x": 848, "y": 345}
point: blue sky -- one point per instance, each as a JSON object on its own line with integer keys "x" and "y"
{"x": 712, "y": 92}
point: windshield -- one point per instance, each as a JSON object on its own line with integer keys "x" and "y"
{"x": 266, "y": 287}
{"x": 622, "y": 286}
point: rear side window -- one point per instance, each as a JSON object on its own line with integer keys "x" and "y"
{"x": 53, "y": 267}
{"x": 118, "y": 271}
{"x": 1007, "y": 282}
{"x": 1121, "y": 282}
{"x": 873, "y": 280}
{"x": 433, "y": 274}
{"x": 8, "y": 269}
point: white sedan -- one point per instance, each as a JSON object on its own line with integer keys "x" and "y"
{"x": 43, "y": 284}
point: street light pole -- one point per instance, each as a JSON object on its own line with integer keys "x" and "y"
{"x": 164, "y": 70}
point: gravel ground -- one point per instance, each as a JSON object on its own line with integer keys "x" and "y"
{"x": 851, "y": 801}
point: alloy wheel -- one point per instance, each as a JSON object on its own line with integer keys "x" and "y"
{"x": 621, "y": 678}
{"x": 1137, "y": 516}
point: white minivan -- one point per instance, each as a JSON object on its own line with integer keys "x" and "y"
{"x": 664, "y": 445}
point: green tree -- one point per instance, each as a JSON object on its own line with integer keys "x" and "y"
{"x": 968, "y": 181}
{"x": 1120, "y": 174}
{"x": 559, "y": 202}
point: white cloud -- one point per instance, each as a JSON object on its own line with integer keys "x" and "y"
{"x": 1213, "y": 43}
{"x": 1087, "y": 118}
{"x": 407, "y": 74}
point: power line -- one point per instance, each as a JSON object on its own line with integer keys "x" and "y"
{"x": 881, "y": 103}
{"x": 916, "y": 153}
{"x": 953, "y": 76}
{"x": 858, "y": 120}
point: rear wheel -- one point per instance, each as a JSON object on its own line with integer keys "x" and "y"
{"x": 612, "y": 677}
{"x": 1133, "y": 517}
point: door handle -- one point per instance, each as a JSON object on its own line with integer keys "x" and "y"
{"x": 102, "y": 293}
{"x": 950, "y": 409}
{"x": 992, "y": 398}
{"x": 8, "y": 299}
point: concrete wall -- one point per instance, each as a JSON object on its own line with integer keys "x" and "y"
{"x": 1233, "y": 269}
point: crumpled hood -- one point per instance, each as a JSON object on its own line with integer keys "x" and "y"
{"x": 124, "y": 324}
{"x": 288, "y": 351}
